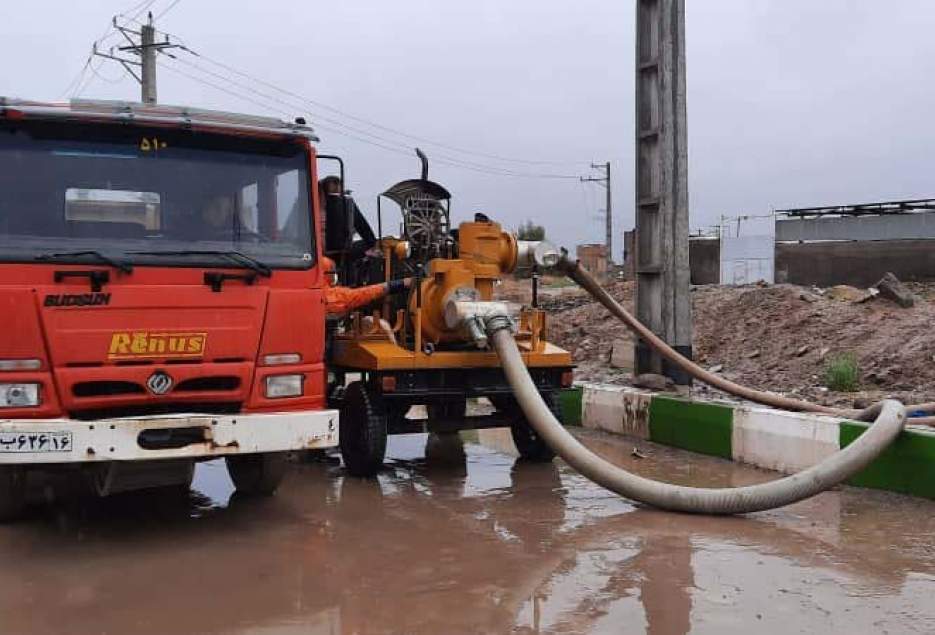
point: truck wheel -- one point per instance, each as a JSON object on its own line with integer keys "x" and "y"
{"x": 528, "y": 443}
{"x": 12, "y": 493}
{"x": 257, "y": 474}
{"x": 362, "y": 430}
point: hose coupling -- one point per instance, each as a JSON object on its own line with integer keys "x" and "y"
{"x": 498, "y": 322}
{"x": 471, "y": 318}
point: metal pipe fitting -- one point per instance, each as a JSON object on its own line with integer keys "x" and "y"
{"x": 472, "y": 317}
{"x": 536, "y": 252}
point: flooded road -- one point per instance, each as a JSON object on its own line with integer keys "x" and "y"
{"x": 462, "y": 538}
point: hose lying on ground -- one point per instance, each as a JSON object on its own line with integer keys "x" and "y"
{"x": 890, "y": 416}
{"x": 833, "y": 470}
{"x": 580, "y": 275}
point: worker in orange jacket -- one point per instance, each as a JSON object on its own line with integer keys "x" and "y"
{"x": 342, "y": 300}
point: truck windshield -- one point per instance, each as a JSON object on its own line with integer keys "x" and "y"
{"x": 156, "y": 196}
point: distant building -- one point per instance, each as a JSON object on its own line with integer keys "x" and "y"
{"x": 593, "y": 257}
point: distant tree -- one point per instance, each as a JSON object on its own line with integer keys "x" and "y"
{"x": 530, "y": 231}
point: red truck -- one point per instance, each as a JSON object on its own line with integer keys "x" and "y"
{"x": 161, "y": 296}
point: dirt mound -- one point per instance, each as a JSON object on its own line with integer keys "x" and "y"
{"x": 776, "y": 337}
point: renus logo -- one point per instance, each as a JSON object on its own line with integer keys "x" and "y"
{"x": 77, "y": 299}
{"x": 137, "y": 344}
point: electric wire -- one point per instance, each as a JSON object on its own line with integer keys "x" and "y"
{"x": 167, "y": 9}
{"x": 357, "y": 134}
{"x": 76, "y": 80}
{"x": 352, "y": 132}
{"x": 142, "y": 8}
{"x": 264, "y": 102}
{"x": 379, "y": 126}
{"x": 361, "y": 120}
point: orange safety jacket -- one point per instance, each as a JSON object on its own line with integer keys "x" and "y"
{"x": 340, "y": 300}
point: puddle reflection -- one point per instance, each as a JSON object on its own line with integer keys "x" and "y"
{"x": 460, "y": 536}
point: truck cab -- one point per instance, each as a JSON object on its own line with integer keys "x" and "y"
{"x": 161, "y": 297}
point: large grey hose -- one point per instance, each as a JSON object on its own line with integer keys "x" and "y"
{"x": 579, "y": 274}
{"x": 816, "y": 479}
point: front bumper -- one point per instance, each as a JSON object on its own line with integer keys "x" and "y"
{"x": 34, "y": 441}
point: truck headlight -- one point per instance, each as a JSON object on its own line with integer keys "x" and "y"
{"x": 282, "y": 358}
{"x": 284, "y": 386}
{"x": 19, "y": 395}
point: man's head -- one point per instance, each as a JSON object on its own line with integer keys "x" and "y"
{"x": 330, "y": 186}
{"x": 219, "y": 213}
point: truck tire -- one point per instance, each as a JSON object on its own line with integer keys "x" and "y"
{"x": 257, "y": 474}
{"x": 362, "y": 430}
{"x": 529, "y": 445}
{"x": 12, "y": 493}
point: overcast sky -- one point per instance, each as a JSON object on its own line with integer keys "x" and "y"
{"x": 790, "y": 102}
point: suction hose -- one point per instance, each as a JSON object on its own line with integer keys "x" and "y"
{"x": 784, "y": 491}
{"x": 580, "y": 275}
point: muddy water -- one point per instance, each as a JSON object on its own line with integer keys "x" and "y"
{"x": 462, "y": 538}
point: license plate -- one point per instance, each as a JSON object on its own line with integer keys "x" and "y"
{"x": 35, "y": 442}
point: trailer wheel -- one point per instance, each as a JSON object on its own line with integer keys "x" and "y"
{"x": 12, "y": 493}
{"x": 257, "y": 474}
{"x": 528, "y": 443}
{"x": 362, "y": 430}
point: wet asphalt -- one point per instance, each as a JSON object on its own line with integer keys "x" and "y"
{"x": 459, "y": 536}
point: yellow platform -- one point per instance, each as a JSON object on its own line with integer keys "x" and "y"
{"x": 382, "y": 354}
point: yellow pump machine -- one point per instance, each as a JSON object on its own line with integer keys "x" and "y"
{"x": 431, "y": 348}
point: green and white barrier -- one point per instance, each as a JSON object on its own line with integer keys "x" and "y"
{"x": 782, "y": 441}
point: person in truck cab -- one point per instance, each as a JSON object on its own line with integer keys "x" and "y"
{"x": 335, "y": 224}
{"x": 221, "y": 220}
{"x": 218, "y": 218}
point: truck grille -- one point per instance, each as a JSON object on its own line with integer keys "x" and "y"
{"x": 111, "y": 388}
{"x": 106, "y": 388}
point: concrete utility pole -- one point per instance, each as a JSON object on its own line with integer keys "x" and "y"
{"x": 148, "y": 61}
{"x": 609, "y": 214}
{"x": 145, "y": 50}
{"x": 662, "y": 270}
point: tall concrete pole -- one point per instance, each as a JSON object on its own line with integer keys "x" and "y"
{"x": 148, "y": 62}
{"x": 609, "y": 238}
{"x": 663, "y": 302}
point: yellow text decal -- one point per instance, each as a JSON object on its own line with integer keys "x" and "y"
{"x": 141, "y": 344}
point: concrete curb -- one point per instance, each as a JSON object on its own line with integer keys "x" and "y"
{"x": 772, "y": 439}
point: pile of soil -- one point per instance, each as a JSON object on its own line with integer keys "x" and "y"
{"x": 772, "y": 337}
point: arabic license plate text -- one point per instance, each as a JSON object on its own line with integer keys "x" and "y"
{"x": 35, "y": 442}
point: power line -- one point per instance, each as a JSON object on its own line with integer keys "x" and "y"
{"x": 167, "y": 9}
{"x": 147, "y": 48}
{"x": 103, "y": 78}
{"x": 77, "y": 79}
{"x": 139, "y": 9}
{"x": 362, "y": 120}
{"x": 357, "y": 134}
